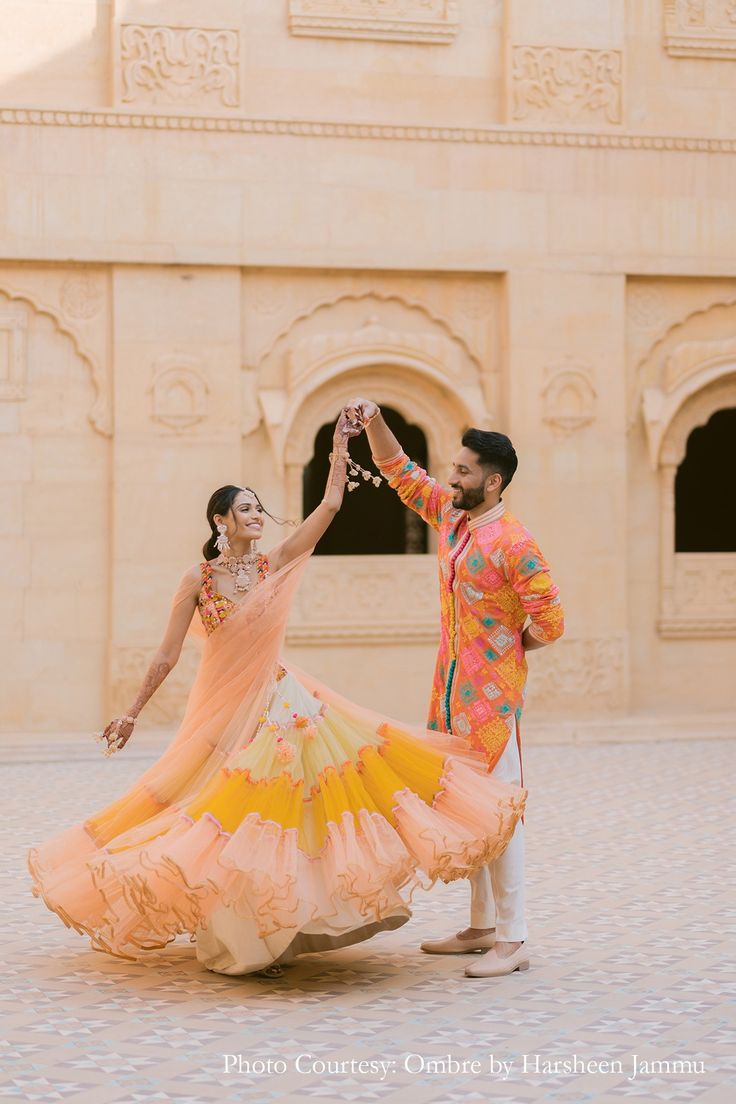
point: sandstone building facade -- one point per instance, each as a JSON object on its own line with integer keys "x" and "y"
{"x": 220, "y": 220}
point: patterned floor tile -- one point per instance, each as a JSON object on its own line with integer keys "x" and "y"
{"x": 632, "y": 924}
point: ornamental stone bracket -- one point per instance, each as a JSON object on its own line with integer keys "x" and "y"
{"x": 700, "y": 28}
{"x": 690, "y": 367}
{"x": 558, "y": 84}
{"x": 161, "y": 60}
{"x": 417, "y": 21}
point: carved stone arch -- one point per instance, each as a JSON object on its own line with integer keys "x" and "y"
{"x": 355, "y": 340}
{"x": 694, "y": 354}
{"x": 697, "y": 590}
{"x": 100, "y": 413}
{"x": 695, "y": 412}
{"x": 439, "y": 414}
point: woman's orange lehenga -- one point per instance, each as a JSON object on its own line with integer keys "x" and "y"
{"x": 281, "y": 818}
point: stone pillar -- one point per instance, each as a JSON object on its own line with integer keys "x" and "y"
{"x": 177, "y": 438}
{"x": 566, "y": 417}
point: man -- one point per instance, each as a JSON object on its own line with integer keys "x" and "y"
{"x": 493, "y": 579}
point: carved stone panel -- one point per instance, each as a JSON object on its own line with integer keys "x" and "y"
{"x": 566, "y": 85}
{"x": 569, "y": 397}
{"x": 702, "y": 601}
{"x": 367, "y": 599}
{"x": 13, "y": 331}
{"x": 587, "y": 672}
{"x": 388, "y": 20}
{"x": 700, "y": 28}
{"x": 179, "y": 392}
{"x": 182, "y": 66}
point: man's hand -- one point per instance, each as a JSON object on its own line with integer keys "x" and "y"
{"x": 361, "y": 411}
{"x": 529, "y": 642}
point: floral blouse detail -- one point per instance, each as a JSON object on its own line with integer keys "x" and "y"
{"x": 492, "y": 578}
{"x": 214, "y": 607}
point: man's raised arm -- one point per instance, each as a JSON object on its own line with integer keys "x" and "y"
{"x": 415, "y": 488}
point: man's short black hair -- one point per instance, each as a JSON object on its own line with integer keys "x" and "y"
{"x": 495, "y": 451}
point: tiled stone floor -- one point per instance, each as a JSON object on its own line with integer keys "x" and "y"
{"x": 632, "y": 918}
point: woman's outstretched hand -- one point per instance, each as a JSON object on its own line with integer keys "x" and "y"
{"x": 117, "y": 734}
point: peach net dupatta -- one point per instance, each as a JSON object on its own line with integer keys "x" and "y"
{"x": 109, "y": 877}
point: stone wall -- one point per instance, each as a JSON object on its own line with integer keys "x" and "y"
{"x": 219, "y": 220}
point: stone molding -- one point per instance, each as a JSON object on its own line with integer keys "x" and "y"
{"x": 178, "y": 65}
{"x": 566, "y": 84}
{"x": 418, "y": 21}
{"x": 385, "y": 132}
{"x": 13, "y": 362}
{"x": 700, "y": 28}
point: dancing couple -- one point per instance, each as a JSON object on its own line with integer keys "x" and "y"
{"x": 283, "y": 819}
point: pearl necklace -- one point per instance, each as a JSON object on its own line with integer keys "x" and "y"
{"x": 239, "y": 567}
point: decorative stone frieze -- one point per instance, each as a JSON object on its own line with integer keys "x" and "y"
{"x": 179, "y": 65}
{"x": 566, "y": 85}
{"x": 700, "y": 28}
{"x": 433, "y": 21}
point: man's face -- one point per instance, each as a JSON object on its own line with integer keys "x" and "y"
{"x": 467, "y": 480}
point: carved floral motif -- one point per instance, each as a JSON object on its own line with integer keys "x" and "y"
{"x": 81, "y": 297}
{"x": 389, "y": 20}
{"x": 558, "y": 84}
{"x": 177, "y": 65}
{"x": 700, "y": 28}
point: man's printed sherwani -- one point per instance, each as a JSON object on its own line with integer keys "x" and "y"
{"x": 492, "y": 578}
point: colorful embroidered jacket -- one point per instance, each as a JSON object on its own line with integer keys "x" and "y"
{"x": 492, "y": 578}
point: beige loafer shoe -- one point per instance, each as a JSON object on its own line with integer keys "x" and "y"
{"x": 453, "y": 944}
{"x": 492, "y": 965}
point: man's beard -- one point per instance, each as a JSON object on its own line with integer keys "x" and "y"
{"x": 470, "y": 498}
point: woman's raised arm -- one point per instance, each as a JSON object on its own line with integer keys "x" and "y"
{"x": 320, "y": 519}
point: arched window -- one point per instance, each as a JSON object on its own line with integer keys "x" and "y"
{"x": 372, "y": 520}
{"x": 705, "y": 518}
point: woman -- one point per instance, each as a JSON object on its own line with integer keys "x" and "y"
{"x": 281, "y": 819}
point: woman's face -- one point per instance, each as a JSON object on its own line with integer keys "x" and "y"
{"x": 245, "y": 520}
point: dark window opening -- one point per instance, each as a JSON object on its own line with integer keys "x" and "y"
{"x": 373, "y": 520}
{"x": 705, "y": 502}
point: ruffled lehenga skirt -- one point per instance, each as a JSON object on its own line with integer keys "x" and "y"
{"x": 293, "y": 830}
